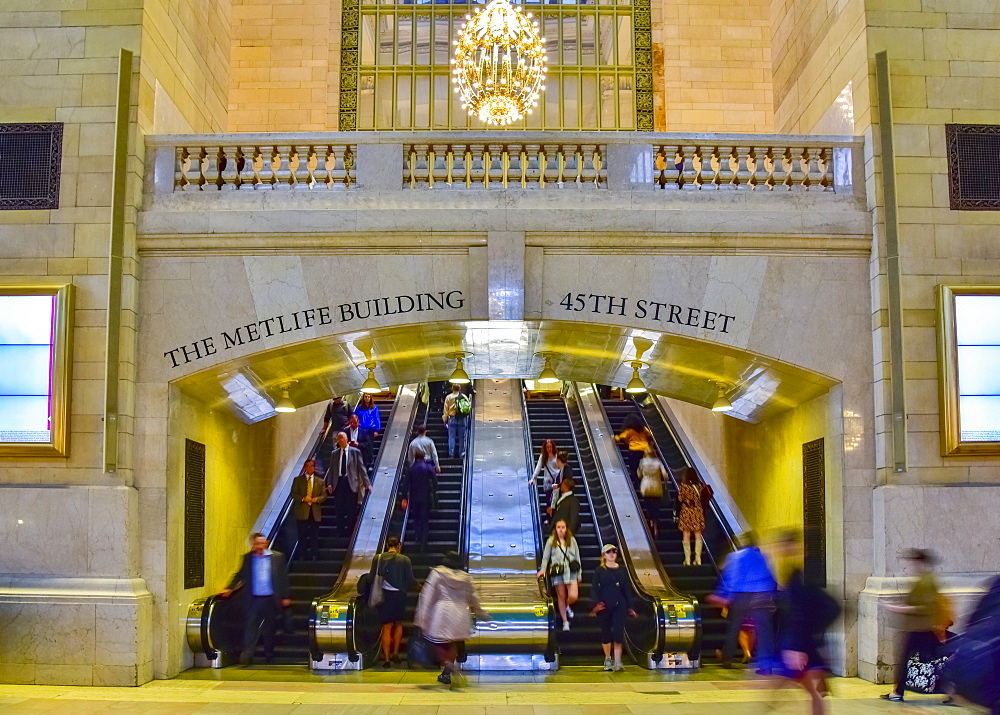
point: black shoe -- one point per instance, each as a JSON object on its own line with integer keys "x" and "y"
{"x": 727, "y": 664}
{"x": 386, "y": 664}
{"x": 892, "y": 697}
{"x": 445, "y": 678}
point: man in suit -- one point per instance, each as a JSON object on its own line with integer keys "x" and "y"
{"x": 567, "y": 506}
{"x": 263, "y": 580}
{"x": 347, "y": 480}
{"x": 358, "y": 436}
{"x": 308, "y": 495}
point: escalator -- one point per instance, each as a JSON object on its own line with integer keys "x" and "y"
{"x": 308, "y": 579}
{"x": 698, "y": 581}
{"x": 215, "y": 624}
{"x": 443, "y": 534}
{"x": 549, "y": 419}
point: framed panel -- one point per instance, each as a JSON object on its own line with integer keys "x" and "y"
{"x": 969, "y": 365}
{"x": 35, "y": 359}
{"x": 814, "y": 511}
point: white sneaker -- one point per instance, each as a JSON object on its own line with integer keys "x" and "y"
{"x": 569, "y": 612}
{"x": 565, "y": 625}
{"x": 608, "y": 666}
{"x": 619, "y": 667}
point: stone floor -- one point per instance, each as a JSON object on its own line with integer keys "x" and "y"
{"x": 278, "y": 690}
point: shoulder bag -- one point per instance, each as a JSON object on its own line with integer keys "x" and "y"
{"x": 377, "y": 594}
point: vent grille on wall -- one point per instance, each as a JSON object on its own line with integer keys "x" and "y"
{"x": 32, "y": 157}
{"x": 814, "y": 511}
{"x": 973, "y": 166}
{"x": 194, "y": 514}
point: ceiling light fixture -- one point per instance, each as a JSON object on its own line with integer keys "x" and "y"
{"x": 370, "y": 385}
{"x": 459, "y": 376}
{"x": 722, "y": 403}
{"x": 548, "y": 375}
{"x": 499, "y": 64}
{"x": 636, "y": 386}
{"x": 285, "y": 404}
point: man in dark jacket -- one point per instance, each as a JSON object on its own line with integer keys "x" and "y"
{"x": 263, "y": 580}
{"x": 418, "y": 487}
{"x": 567, "y": 506}
{"x": 358, "y": 436}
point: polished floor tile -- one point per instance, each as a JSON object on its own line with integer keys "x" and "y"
{"x": 569, "y": 691}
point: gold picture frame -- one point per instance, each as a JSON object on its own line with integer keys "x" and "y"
{"x": 952, "y": 443}
{"x": 60, "y": 374}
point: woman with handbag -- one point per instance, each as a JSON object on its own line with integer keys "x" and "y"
{"x": 920, "y": 612}
{"x": 393, "y": 579}
{"x": 561, "y": 563}
{"x": 652, "y": 475}
{"x": 612, "y": 596}
{"x": 443, "y": 610}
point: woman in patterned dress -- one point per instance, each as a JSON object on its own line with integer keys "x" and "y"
{"x": 691, "y": 519}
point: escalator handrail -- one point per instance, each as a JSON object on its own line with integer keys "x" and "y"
{"x": 463, "y": 502}
{"x": 727, "y": 527}
{"x": 536, "y": 521}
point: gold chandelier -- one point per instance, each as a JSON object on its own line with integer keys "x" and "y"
{"x": 499, "y": 63}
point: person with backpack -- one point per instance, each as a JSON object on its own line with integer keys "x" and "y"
{"x": 457, "y": 408}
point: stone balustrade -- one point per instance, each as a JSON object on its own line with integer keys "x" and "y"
{"x": 500, "y": 160}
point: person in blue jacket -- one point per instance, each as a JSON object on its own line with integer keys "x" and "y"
{"x": 368, "y": 414}
{"x": 748, "y": 588}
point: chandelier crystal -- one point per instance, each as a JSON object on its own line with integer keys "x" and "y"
{"x": 499, "y": 63}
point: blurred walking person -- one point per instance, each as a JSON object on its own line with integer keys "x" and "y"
{"x": 691, "y": 519}
{"x": 973, "y": 672}
{"x": 262, "y": 581}
{"x": 747, "y": 588}
{"x": 397, "y": 580}
{"x": 639, "y": 440}
{"x": 919, "y": 611}
{"x": 443, "y": 611}
{"x": 612, "y": 595}
{"x": 561, "y": 564}
{"x": 807, "y": 612}
{"x": 418, "y": 488}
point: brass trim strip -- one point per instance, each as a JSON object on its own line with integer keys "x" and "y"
{"x": 894, "y": 309}
{"x": 116, "y": 249}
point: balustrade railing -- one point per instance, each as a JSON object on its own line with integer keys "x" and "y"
{"x": 759, "y": 166}
{"x": 505, "y": 165}
{"x": 264, "y": 167}
{"x": 383, "y": 161}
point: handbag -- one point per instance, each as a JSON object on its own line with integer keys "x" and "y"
{"x": 924, "y": 676}
{"x": 420, "y": 652}
{"x": 574, "y": 565}
{"x": 377, "y": 594}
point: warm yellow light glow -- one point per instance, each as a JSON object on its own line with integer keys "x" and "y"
{"x": 499, "y": 63}
{"x": 722, "y": 404}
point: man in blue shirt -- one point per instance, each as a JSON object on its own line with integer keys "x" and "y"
{"x": 748, "y": 588}
{"x": 264, "y": 580}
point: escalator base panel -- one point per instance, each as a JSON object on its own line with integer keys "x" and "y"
{"x": 337, "y": 661}
{"x": 522, "y": 662}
